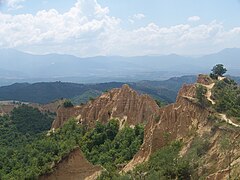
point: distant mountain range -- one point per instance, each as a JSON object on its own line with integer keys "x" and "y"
{"x": 80, "y": 93}
{"x": 18, "y": 66}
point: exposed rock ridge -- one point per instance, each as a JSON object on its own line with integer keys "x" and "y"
{"x": 179, "y": 121}
{"x": 124, "y": 104}
{"x": 172, "y": 122}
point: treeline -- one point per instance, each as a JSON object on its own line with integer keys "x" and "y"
{"x": 226, "y": 93}
{"x": 166, "y": 163}
{"x": 108, "y": 146}
{"x": 26, "y": 153}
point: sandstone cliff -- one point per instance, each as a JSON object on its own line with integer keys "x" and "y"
{"x": 174, "y": 121}
{"x": 124, "y": 104}
{"x": 184, "y": 120}
{"x": 73, "y": 167}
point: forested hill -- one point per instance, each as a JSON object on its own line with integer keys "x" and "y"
{"x": 45, "y": 92}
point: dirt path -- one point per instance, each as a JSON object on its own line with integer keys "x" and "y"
{"x": 190, "y": 98}
{"x": 209, "y": 92}
{"x": 208, "y": 96}
{"x": 229, "y": 121}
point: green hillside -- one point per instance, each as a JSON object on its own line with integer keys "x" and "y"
{"x": 46, "y": 92}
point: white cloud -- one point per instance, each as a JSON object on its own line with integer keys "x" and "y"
{"x": 139, "y": 16}
{"x": 87, "y": 29}
{"x": 136, "y": 17}
{"x": 14, "y": 4}
{"x": 194, "y": 18}
{"x": 81, "y": 28}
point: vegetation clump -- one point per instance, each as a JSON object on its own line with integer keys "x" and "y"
{"x": 24, "y": 156}
{"x": 218, "y": 70}
{"x": 163, "y": 164}
{"x": 108, "y": 146}
{"x": 226, "y": 94}
{"x": 68, "y": 104}
{"x": 29, "y": 120}
{"x": 201, "y": 96}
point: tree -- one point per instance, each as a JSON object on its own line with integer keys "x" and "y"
{"x": 68, "y": 104}
{"x": 29, "y": 120}
{"x": 218, "y": 70}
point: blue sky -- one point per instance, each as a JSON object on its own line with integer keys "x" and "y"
{"x": 120, "y": 27}
{"x": 163, "y": 12}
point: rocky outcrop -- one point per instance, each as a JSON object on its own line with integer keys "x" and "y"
{"x": 123, "y": 104}
{"x": 73, "y": 167}
{"x": 63, "y": 114}
{"x": 204, "y": 79}
{"x": 184, "y": 120}
{"x": 170, "y": 123}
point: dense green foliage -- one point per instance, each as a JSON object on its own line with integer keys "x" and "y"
{"x": 25, "y": 156}
{"x": 18, "y": 132}
{"x": 163, "y": 164}
{"x": 166, "y": 163}
{"x": 79, "y": 93}
{"x": 67, "y": 104}
{"x": 218, "y": 70}
{"x": 31, "y": 157}
{"x": 30, "y": 120}
{"x": 106, "y": 146}
{"x": 22, "y": 126}
{"x": 227, "y": 96}
{"x": 10, "y": 137}
{"x": 200, "y": 95}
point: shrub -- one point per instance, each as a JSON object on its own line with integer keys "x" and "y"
{"x": 213, "y": 76}
{"x": 227, "y": 97}
{"x": 67, "y": 104}
{"x": 200, "y": 95}
{"x": 165, "y": 164}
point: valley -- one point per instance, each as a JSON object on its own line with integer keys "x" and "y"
{"x": 123, "y": 133}
{"x": 119, "y": 90}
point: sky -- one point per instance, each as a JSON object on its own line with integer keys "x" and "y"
{"x": 120, "y": 27}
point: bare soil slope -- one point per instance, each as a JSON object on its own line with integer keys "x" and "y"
{"x": 73, "y": 167}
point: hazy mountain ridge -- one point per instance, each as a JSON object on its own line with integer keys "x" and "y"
{"x": 104, "y": 69}
{"x": 46, "y": 92}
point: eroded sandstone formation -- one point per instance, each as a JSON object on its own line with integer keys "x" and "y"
{"x": 185, "y": 120}
{"x": 124, "y": 104}
{"x": 172, "y": 122}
